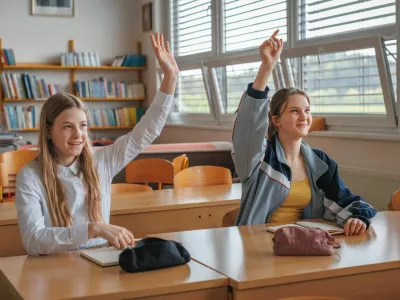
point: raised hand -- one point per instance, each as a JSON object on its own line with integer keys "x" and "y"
{"x": 163, "y": 53}
{"x": 271, "y": 49}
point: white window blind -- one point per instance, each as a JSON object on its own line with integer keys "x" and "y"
{"x": 247, "y": 23}
{"x": 190, "y": 93}
{"x": 325, "y": 17}
{"x": 344, "y": 83}
{"x": 233, "y": 81}
{"x": 191, "y": 26}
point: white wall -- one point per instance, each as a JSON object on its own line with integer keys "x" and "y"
{"x": 108, "y": 27}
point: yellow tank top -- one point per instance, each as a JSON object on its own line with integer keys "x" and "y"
{"x": 292, "y": 208}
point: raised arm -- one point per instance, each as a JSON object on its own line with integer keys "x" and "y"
{"x": 251, "y": 123}
{"x": 126, "y": 148}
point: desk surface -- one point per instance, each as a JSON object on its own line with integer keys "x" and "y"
{"x": 159, "y": 200}
{"x": 245, "y": 253}
{"x": 70, "y": 276}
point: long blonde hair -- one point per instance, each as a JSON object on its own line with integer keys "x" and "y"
{"x": 57, "y": 204}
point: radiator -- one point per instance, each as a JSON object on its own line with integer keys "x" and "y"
{"x": 375, "y": 186}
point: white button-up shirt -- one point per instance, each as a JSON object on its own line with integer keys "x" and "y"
{"x": 34, "y": 221}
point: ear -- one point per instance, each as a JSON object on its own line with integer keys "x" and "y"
{"x": 275, "y": 120}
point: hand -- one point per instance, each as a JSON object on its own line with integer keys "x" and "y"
{"x": 354, "y": 226}
{"x": 163, "y": 53}
{"x": 270, "y": 50}
{"x": 116, "y": 236}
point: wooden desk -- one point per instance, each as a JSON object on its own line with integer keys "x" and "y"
{"x": 147, "y": 212}
{"x": 69, "y": 276}
{"x": 174, "y": 209}
{"x": 367, "y": 267}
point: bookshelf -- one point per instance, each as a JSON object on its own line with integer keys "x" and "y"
{"x": 73, "y": 72}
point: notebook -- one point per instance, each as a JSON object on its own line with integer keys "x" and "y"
{"x": 104, "y": 257}
{"x": 313, "y": 225}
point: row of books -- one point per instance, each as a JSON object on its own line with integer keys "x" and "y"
{"x": 26, "y": 86}
{"x": 7, "y": 57}
{"x": 102, "y": 88}
{"x": 20, "y": 117}
{"x": 86, "y": 59}
{"x": 129, "y": 60}
{"x": 125, "y": 116}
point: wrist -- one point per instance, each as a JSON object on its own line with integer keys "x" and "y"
{"x": 93, "y": 230}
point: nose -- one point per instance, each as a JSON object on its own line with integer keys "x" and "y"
{"x": 77, "y": 132}
{"x": 303, "y": 115}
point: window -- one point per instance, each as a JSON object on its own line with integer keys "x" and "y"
{"x": 247, "y": 23}
{"x": 345, "y": 79}
{"x": 190, "y": 93}
{"x": 319, "y": 18}
{"x": 191, "y": 27}
{"x": 232, "y": 82}
{"x": 333, "y": 50}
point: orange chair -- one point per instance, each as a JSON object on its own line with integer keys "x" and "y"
{"x": 10, "y": 164}
{"x": 202, "y": 176}
{"x": 154, "y": 170}
{"x": 230, "y": 217}
{"x": 180, "y": 162}
{"x": 395, "y": 201}
{"x": 121, "y": 188}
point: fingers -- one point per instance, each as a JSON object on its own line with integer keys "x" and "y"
{"x": 354, "y": 226}
{"x": 162, "y": 42}
{"x": 275, "y": 33}
{"x": 167, "y": 47}
{"x": 131, "y": 238}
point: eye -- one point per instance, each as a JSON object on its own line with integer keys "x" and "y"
{"x": 308, "y": 110}
{"x": 294, "y": 111}
{"x": 83, "y": 125}
{"x": 68, "y": 126}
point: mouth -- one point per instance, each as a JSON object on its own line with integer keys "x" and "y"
{"x": 76, "y": 144}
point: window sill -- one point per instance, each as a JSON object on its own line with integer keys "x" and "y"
{"x": 394, "y": 137}
{"x": 200, "y": 126}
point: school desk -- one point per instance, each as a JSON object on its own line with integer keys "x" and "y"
{"x": 69, "y": 276}
{"x": 365, "y": 267}
{"x": 146, "y": 212}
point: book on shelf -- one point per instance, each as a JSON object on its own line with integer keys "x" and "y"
{"x": 20, "y": 117}
{"x": 129, "y": 60}
{"x": 7, "y": 57}
{"x": 84, "y": 59}
{"x": 118, "y": 117}
{"x": 103, "y": 88}
{"x": 26, "y": 86}
{"x": 332, "y": 229}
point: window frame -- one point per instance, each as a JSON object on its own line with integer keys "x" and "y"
{"x": 216, "y": 57}
{"x": 352, "y": 120}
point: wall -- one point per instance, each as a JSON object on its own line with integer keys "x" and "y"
{"x": 108, "y": 27}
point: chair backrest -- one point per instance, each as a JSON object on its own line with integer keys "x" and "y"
{"x": 395, "y": 201}
{"x": 313, "y": 298}
{"x": 202, "y": 176}
{"x": 10, "y": 164}
{"x": 230, "y": 217}
{"x": 154, "y": 170}
{"x": 180, "y": 162}
{"x": 121, "y": 188}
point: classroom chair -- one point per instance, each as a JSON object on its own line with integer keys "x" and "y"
{"x": 10, "y": 164}
{"x": 150, "y": 170}
{"x": 121, "y": 188}
{"x": 180, "y": 162}
{"x": 202, "y": 176}
{"x": 313, "y": 298}
{"x": 229, "y": 218}
{"x": 395, "y": 201}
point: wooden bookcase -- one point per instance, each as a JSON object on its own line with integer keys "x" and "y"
{"x": 72, "y": 75}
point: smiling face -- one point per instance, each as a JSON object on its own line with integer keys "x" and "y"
{"x": 295, "y": 117}
{"x": 69, "y": 135}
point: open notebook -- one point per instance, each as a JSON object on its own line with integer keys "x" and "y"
{"x": 330, "y": 228}
{"x": 104, "y": 257}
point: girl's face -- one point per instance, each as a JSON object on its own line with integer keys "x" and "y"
{"x": 295, "y": 119}
{"x": 69, "y": 135}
